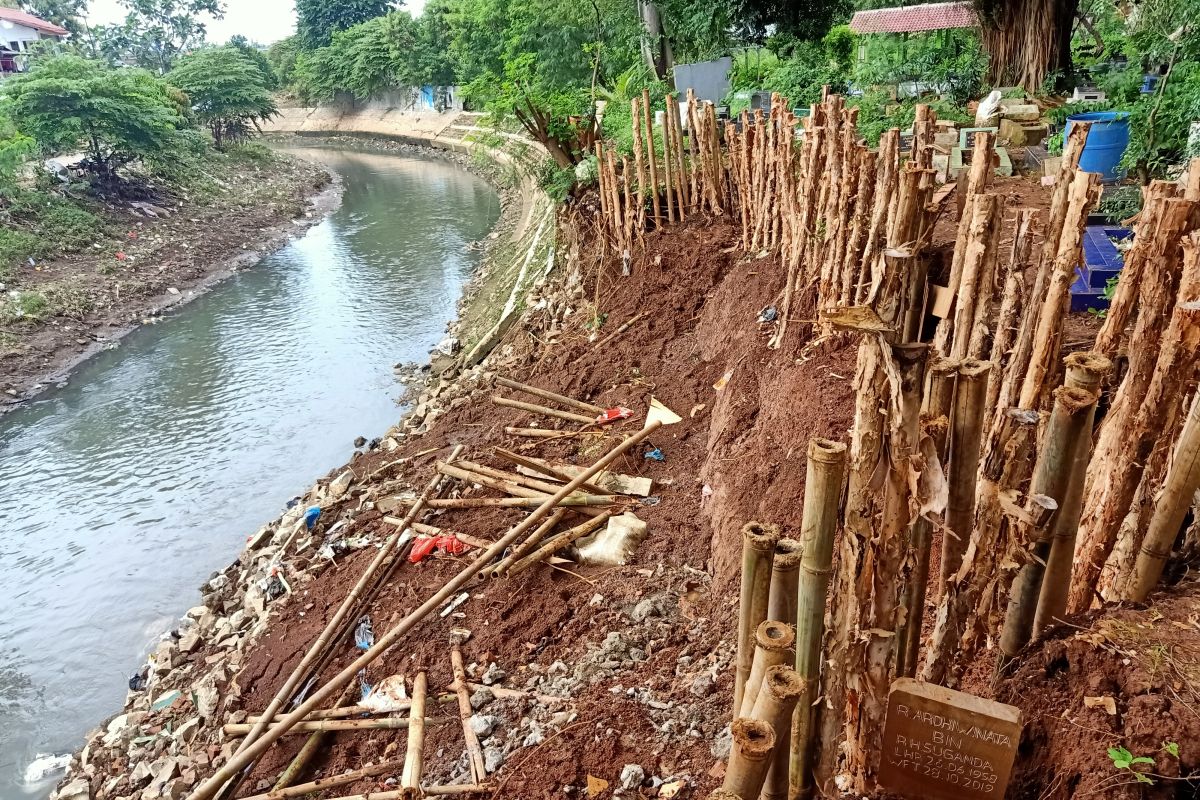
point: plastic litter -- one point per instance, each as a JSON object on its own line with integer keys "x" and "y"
{"x": 425, "y": 545}
{"x": 651, "y": 501}
{"x": 46, "y": 765}
{"x": 275, "y": 586}
{"x": 453, "y": 604}
{"x": 364, "y": 688}
{"x": 768, "y": 314}
{"x": 655, "y": 455}
{"x": 705, "y": 494}
{"x": 137, "y": 681}
{"x": 364, "y": 635}
{"x": 387, "y": 696}
{"x": 614, "y": 414}
{"x": 614, "y": 544}
{"x": 311, "y": 516}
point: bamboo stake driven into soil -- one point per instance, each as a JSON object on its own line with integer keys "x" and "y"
{"x": 758, "y": 551}
{"x": 750, "y": 758}
{"x": 965, "y": 443}
{"x": 773, "y": 642}
{"x": 782, "y": 689}
{"x": 240, "y": 760}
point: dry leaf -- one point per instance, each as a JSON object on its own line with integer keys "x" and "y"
{"x": 595, "y": 785}
{"x": 1106, "y": 702}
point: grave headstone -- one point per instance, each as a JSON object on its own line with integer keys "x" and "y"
{"x": 945, "y": 744}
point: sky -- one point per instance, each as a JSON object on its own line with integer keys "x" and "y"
{"x": 262, "y": 21}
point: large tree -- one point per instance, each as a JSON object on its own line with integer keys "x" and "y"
{"x": 227, "y": 90}
{"x": 1027, "y": 41}
{"x": 68, "y": 13}
{"x": 156, "y": 33}
{"x": 318, "y": 20}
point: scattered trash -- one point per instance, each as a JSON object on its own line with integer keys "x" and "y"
{"x": 453, "y": 604}
{"x": 705, "y": 494}
{"x": 364, "y": 688}
{"x": 1107, "y": 702}
{"x": 660, "y": 413}
{"x": 165, "y": 700}
{"x": 364, "y": 635}
{"x": 768, "y": 314}
{"x": 137, "y": 681}
{"x": 275, "y": 586}
{"x": 655, "y": 455}
{"x": 311, "y": 516}
{"x": 614, "y": 414}
{"x": 387, "y": 696}
{"x": 615, "y": 543}
{"x": 673, "y": 788}
{"x": 653, "y": 500}
{"x": 46, "y": 765}
{"x": 723, "y": 381}
{"x": 424, "y": 545}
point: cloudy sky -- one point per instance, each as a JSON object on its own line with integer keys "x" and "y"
{"x": 262, "y": 21}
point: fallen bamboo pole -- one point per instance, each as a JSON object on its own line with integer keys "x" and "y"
{"x": 240, "y": 760}
{"x": 782, "y": 689}
{"x": 822, "y": 492}
{"x": 524, "y": 548}
{"x": 474, "y": 750}
{"x": 523, "y": 502}
{"x": 542, "y": 433}
{"x": 533, "y": 464}
{"x": 410, "y": 779}
{"x": 557, "y": 543}
{"x": 332, "y": 627}
{"x": 546, "y": 394}
{"x": 323, "y": 725}
{"x": 1170, "y": 507}
{"x": 344, "y": 712}
{"x": 433, "y": 530}
{"x": 428, "y": 791}
{"x": 758, "y": 551}
{"x": 773, "y": 642}
{"x": 543, "y": 410}
{"x": 320, "y": 785}
{"x": 1068, "y": 425}
{"x": 750, "y": 758}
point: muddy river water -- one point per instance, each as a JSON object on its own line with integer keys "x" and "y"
{"x": 124, "y": 490}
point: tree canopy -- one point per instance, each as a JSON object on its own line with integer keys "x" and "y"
{"x": 227, "y": 90}
{"x": 318, "y": 20}
{"x": 155, "y": 33}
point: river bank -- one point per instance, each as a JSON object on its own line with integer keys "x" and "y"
{"x": 152, "y": 257}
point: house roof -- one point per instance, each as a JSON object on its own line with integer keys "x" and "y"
{"x": 911, "y": 19}
{"x": 18, "y": 17}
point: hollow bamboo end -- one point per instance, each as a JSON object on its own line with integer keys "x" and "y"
{"x": 827, "y": 451}
{"x": 721, "y": 794}
{"x": 760, "y": 535}
{"x": 775, "y": 635}
{"x": 1086, "y": 370}
{"x": 788, "y": 554}
{"x": 784, "y": 682}
{"x": 974, "y": 369}
{"x": 1073, "y": 399}
{"x": 753, "y": 738}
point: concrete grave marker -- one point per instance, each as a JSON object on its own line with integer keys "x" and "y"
{"x": 939, "y": 743}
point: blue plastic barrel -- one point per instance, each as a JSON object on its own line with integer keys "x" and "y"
{"x": 1106, "y": 142}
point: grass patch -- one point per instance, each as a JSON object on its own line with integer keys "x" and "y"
{"x": 39, "y": 224}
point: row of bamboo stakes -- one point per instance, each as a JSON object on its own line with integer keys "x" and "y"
{"x": 985, "y": 427}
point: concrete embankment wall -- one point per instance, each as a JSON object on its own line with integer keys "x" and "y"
{"x": 524, "y": 250}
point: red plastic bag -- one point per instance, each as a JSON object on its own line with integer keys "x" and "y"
{"x": 425, "y": 545}
{"x": 614, "y": 414}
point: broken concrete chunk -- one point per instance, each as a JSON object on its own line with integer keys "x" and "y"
{"x": 481, "y": 697}
{"x": 632, "y": 776}
{"x": 482, "y": 725}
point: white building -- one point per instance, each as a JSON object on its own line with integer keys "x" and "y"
{"x": 18, "y": 32}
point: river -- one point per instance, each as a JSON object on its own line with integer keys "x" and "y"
{"x": 125, "y": 489}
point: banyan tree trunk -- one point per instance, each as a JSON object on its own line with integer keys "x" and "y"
{"x": 1027, "y": 40}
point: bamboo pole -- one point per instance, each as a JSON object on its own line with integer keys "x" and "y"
{"x": 758, "y": 551}
{"x": 1084, "y": 371}
{"x": 322, "y": 725}
{"x": 785, "y": 575}
{"x": 428, "y": 791}
{"x": 474, "y": 750}
{"x": 239, "y": 760}
{"x": 557, "y": 543}
{"x": 545, "y": 469}
{"x": 651, "y": 157}
{"x": 320, "y": 785}
{"x": 1068, "y": 424}
{"x": 1170, "y": 507}
{"x": 668, "y": 162}
{"x": 518, "y": 485}
{"x": 545, "y": 394}
{"x": 635, "y": 114}
{"x": 965, "y": 442}
{"x": 542, "y": 433}
{"x": 543, "y": 410}
{"x": 773, "y": 643}
{"x": 782, "y": 689}
{"x": 317, "y": 650}
{"x": 524, "y": 502}
{"x": 345, "y": 712}
{"x": 410, "y": 779}
{"x": 753, "y": 742}
{"x": 523, "y": 549}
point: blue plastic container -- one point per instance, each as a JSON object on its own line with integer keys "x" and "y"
{"x": 1106, "y": 142}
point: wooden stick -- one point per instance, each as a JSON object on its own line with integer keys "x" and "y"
{"x": 320, "y": 785}
{"x": 520, "y": 551}
{"x": 668, "y": 162}
{"x": 410, "y": 779}
{"x": 324, "y": 725}
{"x": 651, "y": 157}
{"x": 536, "y": 409}
{"x": 964, "y": 464}
{"x": 546, "y": 469}
{"x": 524, "y": 502}
{"x": 773, "y": 642}
{"x": 331, "y": 629}
{"x": 345, "y": 712}
{"x": 750, "y": 758}
{"x": 635, "y": 114}
{"x": 542, "y": 433}
{"x": 474, "y": 750}
{"x": 624, "y": 327}
{"x": 428, "y": 791}
{"x": 546, "y": 394}
{"x": 558, "y": 543}
{"x": 238, "y": 761}
{"x": 525, "y": 480}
